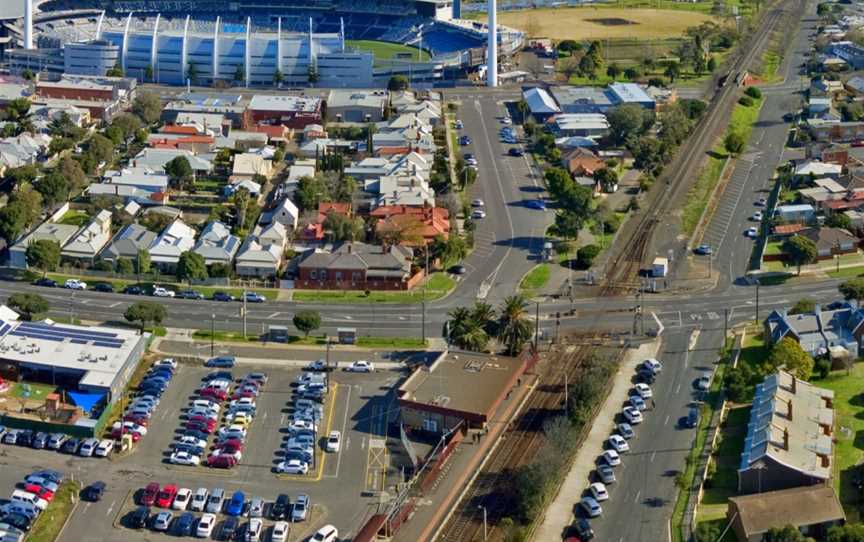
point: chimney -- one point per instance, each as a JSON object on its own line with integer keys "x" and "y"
{"x": 789, "y": 409}
{"x": 350, "y": 248}
{"x": 28, "y": 24}
{"x": 785, "y": 439}
{"x": 794, "y": 386}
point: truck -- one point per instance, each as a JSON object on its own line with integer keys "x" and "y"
{"x": 660, "y": 267}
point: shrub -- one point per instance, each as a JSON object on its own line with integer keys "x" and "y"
{"x": 586, "y": 255}
{"x": 746, "y": 101}
{"x": 753, "y": 92}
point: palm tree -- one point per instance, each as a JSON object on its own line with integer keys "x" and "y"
{"x": 458, "y": 324}
{"x": 475, "y": 340}
{"x": 484, "y": 315}
{"x": 514, "y": 329}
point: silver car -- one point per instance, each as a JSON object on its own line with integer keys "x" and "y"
{"x": 301, "y": 508}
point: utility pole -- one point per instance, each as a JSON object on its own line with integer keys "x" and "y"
{"x": 423, "y": 330}
{"x": 757, "y": 301}
{"x": 537, "y": 328}
{"x": 212, "y": 333}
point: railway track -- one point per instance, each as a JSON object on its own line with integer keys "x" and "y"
{"x": 623, "y": 269}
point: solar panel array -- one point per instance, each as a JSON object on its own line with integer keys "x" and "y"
{"x": 36, "y": 330}
{"x": 4, "y": 327}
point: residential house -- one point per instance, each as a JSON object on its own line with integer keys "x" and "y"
{"x": 817, "y": 169}
{"x": 47, "y": 231}
{"x": 850, "y": 53}
{"x": 820, "y": 331}
{"x": 247, "y": 165}
{"x": 831, "y": 241}
{"x": 358, "y": 266}
{"x": 804, "y": 213}
{"x": 327, "y": 207}
{"x": 197, "y": 144}
{"x": 174, "y": 240}
{"x": 311, "y": 233}
{"x": 128, "y": 242}
{"x": 826, "y": 87}
{"x": 242, "y": 141}
{"x": 23, "y": 149}
{"x": 813, "y": 510}
{"x": 582, "y": 162}
{"x": 155, "y": 160}
{"x": 822, "y": 108}
{"x": 314, "y": 131}
{"x": 855, "y": 86}
{"x": 789, "y": 438}
{"x": 216, "y": 244}
{"x": 262, "y": 252}
{"x": 317, "y": 147}
{"x": 356, "y": 105}
{"x": 285, "y": 213}
{"x": 400, "y": 189}
{"x": 214, "y": 124}
{"x": 831, "y": 130}
{"x": 285, "y": 110}
{"x": 86, "y": 245}
{"x": 252, "y": 187}
{"x": 541, "y": 105}
{"x": 424, "y": 222}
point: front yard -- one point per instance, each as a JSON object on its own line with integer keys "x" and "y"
{"x": 437, "y": 286}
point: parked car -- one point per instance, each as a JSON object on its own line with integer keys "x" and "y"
{"x": 515, "y": 151}
{"x": 477, "y": 203}
{"x": 40, "y": 440}
{"x": 703, "y": 250}
{"x": 606, "y": 474}
{"x": 643, "y": 390}
{"x": 183, "y": 525}
{"x": 70, "y": 446}
{"x": 148, "y": 497}
{"x": 162, "y": 521}
{"x": 360, "y": 366}
{"x": 55, "y": 442}
{"x": 653, "y": 365}
{"x": 584, "y": 530}
{"x": 46, "y": 282}
{"x": 752, "y": 233}
{"x": 75, "y": 284}
{"x": 159, "y": 291}
{"x": 590, "y": 506}
{"x": 327, "y": 533}
{"x": 703, "y": 383}
{"x": 139, "y": 518}
{"x": 133, "y": 290}
{"x": 181, "y": 500}
{"x": 301, "y": 508}
{"x": 88, "y": 447}
{"x": 632, "y": 415}
{"x": 252, "y": 297}
{"x": 478, "y": 213}
{"x": 221, "y": 361}
{"x": 538, "y": 204}
{"x": 611, "y": 458}
{"x": 236, "y": 504}
{"x": 229, "y": 528}
{"x": 256, "y": 507}
{"x": 598, "y": 491}
{"x": 166, "y": 496}
{"x": 457, "y": 270}
{"x": 205, "y": 526}
{"x": 637, "y": 402}
{"x": 104, "y": 287}
{"x": 625, "y": 430}
{"x": 223, "y": 296}
{"x": 189, "y": 294}
{"x": 215, "y": 501}
{"x": 293, "y": 466}
{"x": 692, "y": 419}
{"x": 93, "y": 492}
{"x": 279, "y": 533}
{"x": 334, "y": 441}
{"x": 618, "y": 443}
{"x": 280, "y": 506}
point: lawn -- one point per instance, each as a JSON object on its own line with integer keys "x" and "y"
{"x": 537, "y": 278}
{"x": 590, "y": 23}
{"x": 74, "y": 218}
{"x": 438, "y": 286}
{"x": 847, "y": 272}
{"x": 385, "y": 50}
{"x": 48, "y": 525}
{"x": 37, "y": 392}
{"x": 727, "y": 456}
{"x": 849, "y": 434}
{"x": 773, "y": 248}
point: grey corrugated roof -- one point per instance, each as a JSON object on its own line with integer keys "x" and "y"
{"x": 127, "y": 243}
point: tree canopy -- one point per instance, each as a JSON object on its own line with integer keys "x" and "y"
{"x": 307, "y": 321}
{"x": 191, "y": 266}
{"x": 800, "y": 250}
{"x": 788, "y": 355}
{"x": 145, "y": 312}
{"x": 43, "y": 254}
{"x": 148, "y": 106}
{"x": 28, "y": 304}
{"x": 179, "y": 172}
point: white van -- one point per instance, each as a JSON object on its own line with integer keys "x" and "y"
{"x": 27, "y": 497}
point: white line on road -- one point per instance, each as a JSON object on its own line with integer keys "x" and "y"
{"x": 110, "y": 508}
{"x": 344, "y": 425}
{"x": 638, "y": 494}
{"x": 677, "y": 389}
{"x": 667, "y": 420}
{"x": 653, "y": 454}
{"x": 112, "y": 305}
{"x": 274, "y": 315}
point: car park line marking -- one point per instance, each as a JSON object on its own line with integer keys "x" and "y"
{"x": 666, "y": 422}
{"x": 654, "y": 453}
{"x": 677, "y": 389}
{"x": 110, "y": 508}
{"x": 638, "y": 493}
{"x": 344, "y": 425}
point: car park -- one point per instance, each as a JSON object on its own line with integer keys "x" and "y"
{"x": 618, "y": 443}
{"x": 205, "y": 526}
{"x": 328, "y": 533}
{"x": 181, "y": 500}
{"x": 625, "y": 430}
{"x": 611, "y": 458}
{"x": 632, "y": 415}
{"x": 590, "y": 506}
{"x": 598, "y": 491}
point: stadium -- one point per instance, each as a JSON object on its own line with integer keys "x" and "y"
{"x": 327, "y": 43}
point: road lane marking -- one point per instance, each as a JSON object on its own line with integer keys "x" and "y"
{"x": 112, "y": 305}
{"x": 638, "y": 493}
{"x": 666, "y": 422}
{"x": 274, "y": 315}
{"x": 654, "y": 453}
{"x": 677, "y": 389}
{"x": 344, "y": 425}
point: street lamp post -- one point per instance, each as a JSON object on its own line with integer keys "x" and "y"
{"x": 212, "y": 333}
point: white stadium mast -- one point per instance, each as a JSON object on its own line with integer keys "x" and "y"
{"x": 492, "y": 47}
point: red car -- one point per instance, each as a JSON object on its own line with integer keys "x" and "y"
{"x": 221, "y": 461}
{"x": 230, "y": 443}
{"x": 200, "y": 419}
{"x": 143, "y": 421}
{"x": 39, "y": 491}
{"x": 149, "y": 495}
{"x": 166, "y": 496}
{"x": 214, "y": 393}
{"x": 115, "y": 434}
{"x": 205, "y": 427}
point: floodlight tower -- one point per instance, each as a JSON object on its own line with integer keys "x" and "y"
{"x": 492, "y": 47}
{"x": 28, "y": 24}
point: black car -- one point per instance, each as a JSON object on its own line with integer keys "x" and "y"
{"x": 139, "y": 518}
{"x": 19, "y": 521}
{"x": 25, "y": 438}
{"x": 183, "y": 524}
{"x": 646, "y": 375}
{"x": 189, "y": 294}
{"x": 133, "y": 290}
{"x": 48, "y": 283}
{"x": 70, "y": 446}
{"x": 280, "y": 507}
{"x": 93, "y": 492}
{"x": 201, "y": 435}
{"x": 458, "y": 270}
{"x": 102, "y": 287}
{"x": 692, "y": 418}
{"x": 219, "y": 375}
{"x": 229, "y": 528}
{"x": 303, "y": 456}
{"x": 151, "y": 392}
{"x": 222, "y": 296}
{"x": 515, "y": 151}
{"x": 40, "y": 440}
{"x": 584, "y": 530}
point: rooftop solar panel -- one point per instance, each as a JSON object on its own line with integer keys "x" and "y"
{"x": 68, "y": 333}
{"x": 108, "y": 345}
{"x": 37, "y": 336}
{"x": 78, "y": 341}
{"x": 42, "y": 327}
{"x": 5, "y": 329}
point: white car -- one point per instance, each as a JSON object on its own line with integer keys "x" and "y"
{"x": 477, "y": 203}
{"x": 458, "y": 124}
{"x": 334, "y": 441}
{"x": 478, "y": 213}
{"x": 243, "y": 401}
{"x": 205, "y": 526}
{"x": 653, "y": 365}
{"x": 637, "y": 402}
{"x": 619, "y": 444}
{"x": 205, "y": 404}
{"x": 181, "y": 500}
{"x": 169, "y": 362}
{"x": 75, "y": 284}
{"x": 632, "y": 415}
{"x": 752, "y": 233}
{"x": 205, "y": 412}
{"x": 703, "y": 383}
{"x": 611, "y": 458}
{"x": 506, "y": 120}
{"x": 279, "y": 532}
{"x": 162, "y": 292}
{"x": 199, "y": 500}
{"x": 360, "y": 366}
{"x": 643, "y": 390}
{"x": 104, "y": 448}
{"x": 185, "y": 458}
{"x": 327, "y": 533}
{"x": 192, "y": 441}
{"x": 625, "y": 430}
{"x": 253, "y": 532}
{"x": 302, "y": 425}
{"x": 598, "y": 491}
{"x": 294, "y": 466}
{"x": 233, "y": 430}
{"x": 88, "y": 447}
{"x": 317, "y": 365}
{"x": 591, "y": 506}
{"x": 757, "y": 216}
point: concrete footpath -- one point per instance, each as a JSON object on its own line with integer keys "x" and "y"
{"x": 559, "y": 514}
{"x": 433, "y": 508}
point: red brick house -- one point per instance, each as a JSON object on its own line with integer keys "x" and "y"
{"x": 582, "y": 162}
{"x": 431, "y": 221}
{"x": 358, "y": 266}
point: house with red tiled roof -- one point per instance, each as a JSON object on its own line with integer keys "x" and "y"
{"x": 179, "y": 130}
{"x": 431, "y": 222}
{"x": 195, "y": 143}
{"x": 312, "y": 233}
{"x": 327, "y": 207}
{"x": 582, "y": 162}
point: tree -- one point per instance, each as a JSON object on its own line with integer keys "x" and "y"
{"x": 311, "y": 190}
{"x": 278, "y": 77}
{"x": 307, "y": 322}
{"x": 569, "y": 46}
{"x": 18, "y": 109}
{"x": 840, "y": 220}
{"x": 746, "y": 101}
{"x": 115, "y": 71}
{"x": 649, "y": 154}
{"x": 101, "y": 148}
{"x": 800, "y": 250}
{"x": 626, "y": 121}
{"x": 397, "y": 83}
{"x": 124, "y": 266}
{"x": 707, "y": 531}
{"x": 852, "y": 289}
{"x": 74, "y": 175}
{"x": 673, "y": 71}
{"x": 734, "y": 143}
{"x": 342, "y": 228}
{"x": 54, "y": 189}
{"x": 220, "y": 269}
{"x": 148, "y": 73}
{"x": 28, "y": 75}
{"x": 179, "y": 172}
{"x": 145, "y": 312}
{"x": 393, "y": 232}
{"x": 12, "y": 222}
{"x": 241, "y": 200}
{"x": 614, "y": 71}
{"x": 142, "y": 262}
{"x": 450, "y": 250}
{"x": 467, "y": 328}
{"x": 128, "y": 124}
{"x": 712, "y": 64}
{"x": 191, "y": 266}
{"x": 148, "y": 106}
{"x": 803, "y": 306}
{"x": 514, "y": 329}
{"x": 607, "y": 178}
{"x": 28, "y": 305}
{"x": 850, "y": 532}
{"x": 789, "y": 533}
{"x": 585, "y": 256}
{"x": 23, "y": 174}
{"x": 632, "y": 73}
{"x": 753, "y": 92}
{"x": 43, "y": 254}
{"x": 788, "y": 355}
{"x": 30, "y": 201}
{"x": 588, "y": 67}
{"x": 568, "y": 67}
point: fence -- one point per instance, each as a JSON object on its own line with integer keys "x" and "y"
{"x": 79, "y": 431}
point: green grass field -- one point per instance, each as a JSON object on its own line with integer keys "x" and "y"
{"x": 536, "y": 278}
{"x": 48, "y": 525}
{"x": 385, "y": 50}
